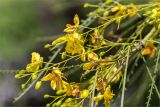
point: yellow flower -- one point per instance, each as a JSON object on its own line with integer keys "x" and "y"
{"x": 116, "y": 78}
{"x": 96, "y": 38}
{"x": 155, "y": 13}
{"x": 119, "y": 9}
{"x": 132, "y": 11}
{"x": 74, "y": 44}
{"x": 149, "y": 50}
{"x": 92, "y": 56}
{"x": 57, "y": 82}
{"x": 88, "y": 66}
{"x": 73, "y": 28}
{"x": 36, "y": 63}
{"x": 108, "y": 95}
{"x": 72, "y": 90}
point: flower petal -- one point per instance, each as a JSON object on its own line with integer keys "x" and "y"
{"x": 47, "y": 77}
{"x": 53, "y": 84}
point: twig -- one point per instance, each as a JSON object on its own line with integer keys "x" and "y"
{"x": 124, "y": 80}
{"x": 94, "y": 87}
{"x": 152, "y": 79}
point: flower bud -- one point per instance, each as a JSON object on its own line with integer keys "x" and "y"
{"x": 86, "y": 5}
{"x": 21, "y": 71}
{"x": 47, "y": 46}
{"x": 114, "y": 9}
{"x": 38, "y": 85}
{"x": 48, "y": 105}
{"x": 34, "y": 76}
{"x": 108, "y": 1}
{"x": 105, "y": 13}
{"x": 60, "y": 92}
{"x": 84, "y": 93}
{"x": 46, "y": 96}
{"x": 17, "y": 76}
{"x": 68, "y": 100}
{"x": 101, "y": 53}
{"x": 63, "y": 56}
{"x": 58, "y": 103}
{"x": 54, "y": 105}
{"x": 23, "y": 86}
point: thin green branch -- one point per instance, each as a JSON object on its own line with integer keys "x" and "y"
{"x": 124, "y": 80}
{"x": 151, "y": 77}
{"x": 9, "y": 71}
{"x": 152, "y": 85}
{"x": 94, "y": 87}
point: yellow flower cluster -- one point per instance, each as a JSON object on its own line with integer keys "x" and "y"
{"x": 56, "y": 78}
{"x": 74, "y": 40}
{"x": 36, "y": 63}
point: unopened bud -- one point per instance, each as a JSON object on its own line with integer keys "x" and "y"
{"x": 58, "y": 103}
{"x": 34, "y": 76}
{"x": 46, "y": 96}
{"x": 98, "y": 98}
{"x": 23, "y": 86}
{"x": 86, "y": 5}
{"x": 47, "y": 46}
{"x": 84, "y": 93}
{"x": 38, "y": 85}
{"x": 60, "y": 92}
{"x": 48, "y": 105}
{"x": 17, "y": 76}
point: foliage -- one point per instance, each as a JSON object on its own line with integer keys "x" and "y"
{"x": 105, "y": 49}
